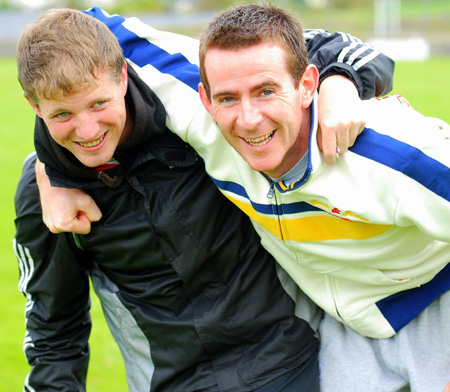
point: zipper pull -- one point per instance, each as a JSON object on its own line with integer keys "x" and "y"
{"x": 271, "y": 190}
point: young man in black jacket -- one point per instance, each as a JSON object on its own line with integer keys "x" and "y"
{"x": 191, "y": 297}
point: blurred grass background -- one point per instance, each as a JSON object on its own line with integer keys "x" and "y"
{"x": 425, "y": 84}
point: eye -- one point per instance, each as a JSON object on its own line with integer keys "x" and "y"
{"x": 62, "y": 116}
{"x": 99, "y": 104}
{"x": 226, "y": 99}
{"x": 267, "y": 92}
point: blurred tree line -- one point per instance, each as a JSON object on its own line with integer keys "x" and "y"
{"x": 428, "y": 18}
{"x": 136, "y": 6}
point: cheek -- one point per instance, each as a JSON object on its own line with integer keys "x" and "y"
{"x": 112, "y": 116}
{"x": 59, "y": 132}
{"x": 116, "y": 114}
{"x": 214, "y": 112}
{"x": 223, "y": 118}
{"x": 292, "y": 113}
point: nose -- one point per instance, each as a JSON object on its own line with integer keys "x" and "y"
{"x": 249, "y": 115}
{"x": 87, "y": 126}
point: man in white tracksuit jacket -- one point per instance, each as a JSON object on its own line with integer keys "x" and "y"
{"x": 367, "y": 239}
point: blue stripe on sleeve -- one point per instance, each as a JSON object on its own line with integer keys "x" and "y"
{"x": 399, "y": 309}
{"x": 142, "y": 52}
{"x": 406, "y": 159}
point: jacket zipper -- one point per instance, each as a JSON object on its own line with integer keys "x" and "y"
{"x": 270, "y": 195}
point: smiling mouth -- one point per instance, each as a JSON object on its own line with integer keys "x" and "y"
{"x": 93, "y": 143}
{"x": 259, "y": 141}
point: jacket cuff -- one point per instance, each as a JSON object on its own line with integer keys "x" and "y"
{"x": 343, "y": 70}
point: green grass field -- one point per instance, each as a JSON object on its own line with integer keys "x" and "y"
{"x": 425, "y": 84}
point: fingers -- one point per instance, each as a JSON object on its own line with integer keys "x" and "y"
{"x": 354, "y": 131}
{"x": 335, "y": 139}
{"x": 89, "y": 209}
{"x": 340, "y": 116}
{"x": 447, "y": 388}
{"x": 80, "y": 224}
{"x": 65, "y": 210}
{"x": 78, "y": 219}
{"x": 327, "y": 143}
{"x": 68, "y": 210}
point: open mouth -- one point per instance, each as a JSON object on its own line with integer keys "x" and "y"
{"x": 259, "y": 141}
{"x": 93, "y": 143}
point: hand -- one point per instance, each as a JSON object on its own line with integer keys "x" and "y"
{"x": 447, "y": 388}
{"x": 65, "y": 210}
{"x": 341, "y": 118}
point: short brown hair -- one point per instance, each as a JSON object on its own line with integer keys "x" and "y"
{"x": 62, "y": 52}
{"x": 251, "y": 24}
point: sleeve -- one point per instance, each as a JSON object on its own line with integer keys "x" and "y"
{"x": 416, "y": 150}
{"x": 56, "y": 288}
{"x": 341, "y": 54}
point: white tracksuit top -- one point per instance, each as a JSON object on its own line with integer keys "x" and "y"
{"x": 367, "y": 238}
{"x": 363, "y": 237}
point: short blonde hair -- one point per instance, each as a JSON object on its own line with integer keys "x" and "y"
{"x": 63, "y": 51}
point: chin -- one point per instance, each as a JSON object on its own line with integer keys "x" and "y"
{"x": 263, "y": 165}
{"x": 91, "y": 163}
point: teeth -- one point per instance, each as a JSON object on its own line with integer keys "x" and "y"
{"x": 92, "y": 144}
{"x": 259, "y": 141}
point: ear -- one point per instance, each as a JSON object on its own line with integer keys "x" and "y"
{"x": 124, "y": 78}
{"x": 205, "y": 99}
{"x": 34, "y": 106}
{"x": 309, "y": 84}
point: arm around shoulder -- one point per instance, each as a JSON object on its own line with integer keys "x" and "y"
{"x": 350, "y": 70}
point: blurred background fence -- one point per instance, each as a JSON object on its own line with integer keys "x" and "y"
{"x": 417, "y": 27}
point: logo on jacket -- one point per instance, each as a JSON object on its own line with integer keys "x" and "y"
{"x": 346, "y": 215}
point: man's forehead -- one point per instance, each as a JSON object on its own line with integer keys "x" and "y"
{"x": 255, "y": 66}
{"x": 263, "y": 54}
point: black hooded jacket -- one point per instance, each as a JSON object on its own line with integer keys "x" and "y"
{"x": 190, "y": 295}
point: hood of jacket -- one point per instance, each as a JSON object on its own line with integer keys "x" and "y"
{"x": 64, "y": 169}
